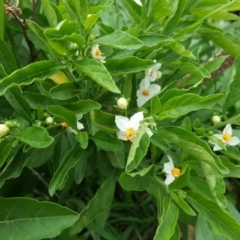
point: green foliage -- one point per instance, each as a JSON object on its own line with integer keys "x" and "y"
{"x": 115, "y": 119}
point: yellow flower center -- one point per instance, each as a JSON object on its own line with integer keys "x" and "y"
{"x": 64, "y": 124}
{"x": 130, "y": 134}
{"x": 151, "y": 73}
{"x": 98, "y": 53}
{"x": 226, "y": 137}
{"x": 176, "y": 172}
{"x": 145, "y": 92}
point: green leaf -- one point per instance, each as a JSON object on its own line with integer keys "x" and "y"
{"x": 28, "y": 218}
{"x": 82, "y": 138}
{"x": 204, "y": 231}
{"x": 49, "y": 13}
{"x": 181, "y": 105}
{"x": 80, "y": 168}
{"x": 136, "y": 181}
{"x": 104, "y": 121}
{"x": 192, "y": 145}
{"x": 5, "y": 149}
{"x": 104, "y": 141}
{"x": 7, "y": 58}
{"x": 35, "y": 99}
{"x": 64, "y": 91}
{"x": 138, "y": 149}
{"x": 83, "y": 106}
{"x": 34, "y": 136}
{"x": 91, "y": 20}
{"x": 178, "y": 199}
{"x": 98, "y": 204}
{"x": 64, "y": 114}
{"x": 234, "y": 87}
{"x": 128, "y": 65}
{"x": 97, "y": 72}
{"x": 133, "y": 10}
{"x": 120, "y": 40}
{"x": 16, "y": 100}
{"x": 167, "y": 221}
{"x": 70, "y": 160}
{"x": 225, "y": 40}
{"x": 27, "y": 75}
{"x": 209, "y": 66}
{"x": 222, "y": 223}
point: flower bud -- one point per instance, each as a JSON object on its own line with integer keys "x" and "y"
{"x": 122, "y": 103}
{"x": 3, "y": 130}
{"x": 216, "y": 119}
{"x": 159, "y": 74}
{"x": 49, "y": 120}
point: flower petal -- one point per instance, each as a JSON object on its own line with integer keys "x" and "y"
{"x": 219, "y": 136}
{"x": 80, "y": 126}
{"x": 149, "y": 131}
{"x": 141, "y": 100}
{"x": 169, "y": 179}
{"x": 154, "y": 89}
{"x": 216, "y": 148}
{"x": 168, "y": 167}
{"x": 144, "y": 84}
{"x": 121, "y": 135}
{"x": 122, "y": 123}
{"x": 228, "y": 129}
{"x": 233, "y": 142}
{"x": 71, "y": 130}
{"x": 135, "y": 120}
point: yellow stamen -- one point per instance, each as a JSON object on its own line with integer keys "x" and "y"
{"x": 145, "y": 92}
{"x": 64, "y": 124}
{"x": 176, "y": 172}
{"x": 130, "y": 134}
{"x": 98, "y": 53}
{"x": 226, "y": 137}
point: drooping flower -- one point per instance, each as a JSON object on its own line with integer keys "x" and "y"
{"x": 129, "y": 127}
{"x": 226, "y": 138}
{"x": 152, "y": 73}
{"x": 171, "y": 171}
{"x": 79, "y": 125}
{"x": 146, "y": 91}
{"x": 3, "y": 130}
{"x": 97, "y": 54}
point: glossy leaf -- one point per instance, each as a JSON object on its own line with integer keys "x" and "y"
{"x": 128, "y": 65}
{"x": 83, "y": 106}
{"x": 97, "y": 72}
{"x": 50, "y": 13}
{"x": 98, "y": 204}
{"x": 181, "y": 105}
{"x": 25, "y": 217}
{"x": 138, "y": 149}
{"x": 29, "y": 74}
{"x": 35, "y": 136}
{"x": 168, "y": 220}
{"x": 16, "y": 100}
{"x": 106, "y": 142}
{"x": 120, "y": 40}
{"x": 70, "y": 160}
{"x": 82, "y": 138}
{"x": 5, "y": 149}
{"x": 222, "y": 223}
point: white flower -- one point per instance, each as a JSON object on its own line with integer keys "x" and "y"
{"x": 146, "y": 91}
{"x": 3, "y": 130}
{"x": 122, "y": 103}
{"x": 170, "y": 171}
{"x": 97, "y": 54}
{"x": 129, "y": 127}
{"x": 138, "y": 2}
{"x": 226, "y": 138}
{"x": 79, "y": 125}
{"x": 152, "y": 73}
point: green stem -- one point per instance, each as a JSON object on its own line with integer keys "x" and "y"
{"x": 2, "y": 16}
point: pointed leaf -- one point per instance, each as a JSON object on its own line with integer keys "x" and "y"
{"x": 97, "y": 72}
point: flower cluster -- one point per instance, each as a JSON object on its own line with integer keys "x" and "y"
{"x": 147, "y": 90}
